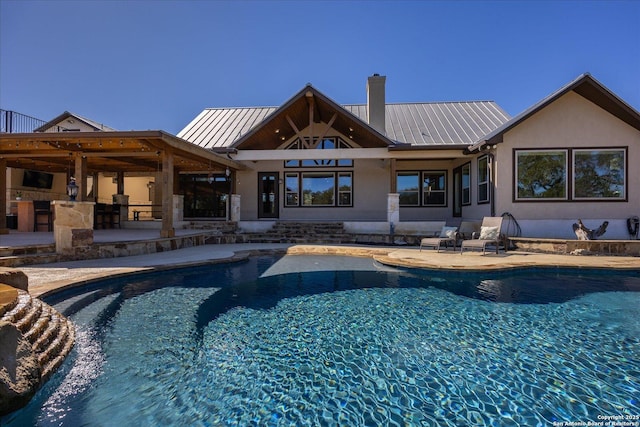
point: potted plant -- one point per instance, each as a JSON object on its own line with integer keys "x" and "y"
{"x": 18, "y": 195}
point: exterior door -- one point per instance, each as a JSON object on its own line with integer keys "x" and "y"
{"x": 268, "y": 195}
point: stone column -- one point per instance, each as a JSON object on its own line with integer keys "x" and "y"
{"x": 393, "y": 208}
{"x": 234, "y": 214}
{"x": 73, "y": 226}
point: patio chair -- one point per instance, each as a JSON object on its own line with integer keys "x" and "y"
{"x": 489, "y": 235}
{"x": 447, "y": 235}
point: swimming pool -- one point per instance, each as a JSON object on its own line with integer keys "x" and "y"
{"x": 322, "y": 340}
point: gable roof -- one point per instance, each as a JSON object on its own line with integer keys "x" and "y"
{"x": 71, "y": 116}
{"x": 416, "y": 124}
{"x": 584, "y": 85}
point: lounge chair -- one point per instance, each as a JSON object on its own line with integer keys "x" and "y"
{"x": 447, "y": 235}
{"x": 467, "y": 228}
{"x": 489, "y": 235}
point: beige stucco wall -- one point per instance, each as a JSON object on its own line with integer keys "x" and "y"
{"x": 370, "y": 189}
{"x": 570, "y": 122}
{"x": 135, "y": 187}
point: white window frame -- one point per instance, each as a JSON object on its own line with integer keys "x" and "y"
{"x": 485, "y": 182}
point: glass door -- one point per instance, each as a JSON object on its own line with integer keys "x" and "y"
{"x": 205, "y": 196}
{"x": 268, "y": 195}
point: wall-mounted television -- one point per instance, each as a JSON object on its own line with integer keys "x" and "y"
{"x": 37, "y": 179}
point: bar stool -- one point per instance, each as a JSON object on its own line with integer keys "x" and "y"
{"x": 42, "y": 208}
{"x": 115, "y": 215}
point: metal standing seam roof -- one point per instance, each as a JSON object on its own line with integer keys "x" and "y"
{"x": 417, "y": 124}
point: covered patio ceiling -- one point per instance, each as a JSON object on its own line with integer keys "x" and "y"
{"x": 121, "y": 151}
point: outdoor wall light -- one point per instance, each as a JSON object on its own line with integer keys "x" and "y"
{"x": 72, "y": 189}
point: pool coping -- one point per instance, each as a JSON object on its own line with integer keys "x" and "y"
{"x": 75, "y": 275}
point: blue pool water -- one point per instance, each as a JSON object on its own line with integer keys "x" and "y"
{"x": 342, "y": 341}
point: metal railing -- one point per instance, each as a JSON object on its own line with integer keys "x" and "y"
{"x": 14, "y": 122}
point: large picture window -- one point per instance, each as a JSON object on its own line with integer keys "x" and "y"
{"x": 318, "y": 189}
{"x": 427, "y": 188}
{"x": 599, "y": 174}
{"x": 541, "y": 174}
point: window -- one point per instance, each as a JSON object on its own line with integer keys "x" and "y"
{"x": 344, "y": 189}
{"x": 319, "y": 189}
{"x": 434, "y": 188}
{"x": 325, "y": 144}
{"x": 599, "y": 174}
{"x": 292, "y": 190}
{"x": 541, "y": 174}
{"x": 427, "y": 188}
{"x": 483, "y": 179}
{"x": 466, "y": 184}
{"x": 408, "y": 188}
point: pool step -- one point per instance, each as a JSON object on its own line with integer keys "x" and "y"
{"x": 51, "y": 335}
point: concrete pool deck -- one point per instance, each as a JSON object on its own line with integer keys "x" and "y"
{"x": 48, "y": 278}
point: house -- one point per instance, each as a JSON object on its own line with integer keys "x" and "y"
{"x": 375, "y": 166}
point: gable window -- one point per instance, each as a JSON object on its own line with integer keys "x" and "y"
{"x": 599, "y": 174}
{"x": 324, "y": 144}
{"x": 541, "y": 174}
{"x": 426, "y": 188}
{"x": 318, "y": 189}
{"x": 483, "y": 179}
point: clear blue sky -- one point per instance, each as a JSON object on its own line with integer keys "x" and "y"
{"x": 157, "y": 64}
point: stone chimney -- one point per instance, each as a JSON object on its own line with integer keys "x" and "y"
{"x": 376, "y": 102}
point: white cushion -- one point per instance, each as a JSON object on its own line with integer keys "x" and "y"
{"x": 448, "y": 232}
{"x": 488, "y": 233}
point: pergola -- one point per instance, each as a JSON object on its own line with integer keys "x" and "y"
{"x": 85, "y": 153}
